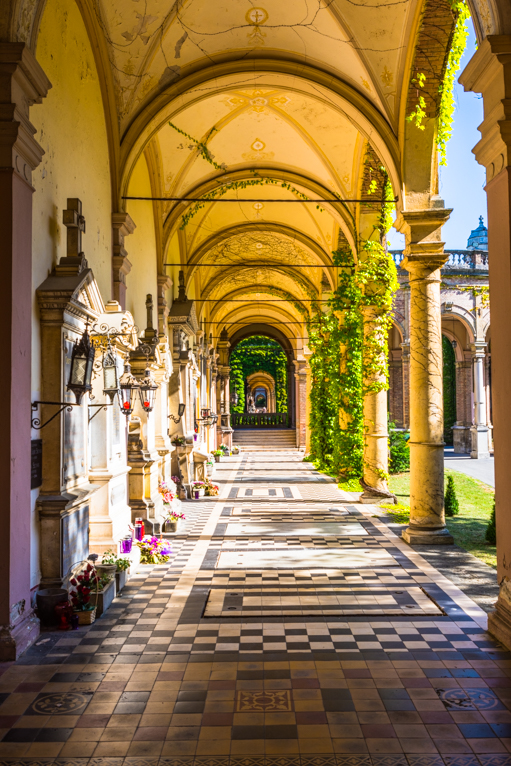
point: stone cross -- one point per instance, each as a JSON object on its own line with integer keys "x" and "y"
{"x": 74, "y": 260}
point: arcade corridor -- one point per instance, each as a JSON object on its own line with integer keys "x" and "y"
{"x": 292, "y": 627}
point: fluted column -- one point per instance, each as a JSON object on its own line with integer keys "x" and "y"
{"x": 375, "y": 412}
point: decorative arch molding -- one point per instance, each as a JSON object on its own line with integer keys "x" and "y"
{"x": 265, "y": 303}
{"x": 249, "y": 227}
{"x": 225, "y": 278}
{"x": 339, "y": 211}
{"x": 262, "y": 329}
{"x": 463, "y": 316}
{"x": 225, "y": 76}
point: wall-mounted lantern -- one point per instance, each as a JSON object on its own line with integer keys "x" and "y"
{"x": 82, "y": 359}
{"x": 147, "y": 390}
{"x": 110, "y": 376}
{"x": 128, "y": 387}
{"x": 180, "y": 413}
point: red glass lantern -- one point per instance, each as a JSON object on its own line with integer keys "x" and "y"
{"x": 128, "y": 386}
{"x": 147, "y": 390}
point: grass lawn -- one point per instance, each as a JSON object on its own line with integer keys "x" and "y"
{"x": 469, "y": 527}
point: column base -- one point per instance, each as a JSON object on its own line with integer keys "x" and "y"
{"x": 418, "y": 536}
{"x": 499, "y": 621}
{"x": 16, "y": 639}
{"x": 479, "y": 436}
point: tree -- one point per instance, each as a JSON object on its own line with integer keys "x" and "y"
{"x": 452, "y": 507}
{"x": 491, "y": 529}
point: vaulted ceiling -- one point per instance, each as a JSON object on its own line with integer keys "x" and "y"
{"x": 267, "y": 107}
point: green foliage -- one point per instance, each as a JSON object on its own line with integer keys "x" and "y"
{"x": 244, "y": 184}
{"x": 452, "y": 507}
{"x": 399, "y": 450}
{"x": 446, "y": 103}
{"x": 259, "y": 354}
{"x": 491, "y": 529}
{"x": 449, "y": 384}
{"x": 201, "y": 146}
{"x": 446, "y": 89}
{"x": 399, "y": 513}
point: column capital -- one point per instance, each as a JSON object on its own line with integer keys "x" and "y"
{"x": 479, "y": 349}
{"x": 423, "y": 231}
{"x": 489, "y": 72}
{"x": 22, "y": 83}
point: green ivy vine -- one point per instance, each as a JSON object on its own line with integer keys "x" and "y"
{"x": 258, "y": 354}
{"x": 446, "y": 103}
{"x": 344, "y": 365}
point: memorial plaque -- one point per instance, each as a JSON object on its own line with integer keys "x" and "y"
{"x": 36, "y": 476}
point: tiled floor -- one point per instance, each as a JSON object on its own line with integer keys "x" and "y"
{"x": 331, "y": 662}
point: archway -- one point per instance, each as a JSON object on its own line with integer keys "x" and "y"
{"x": 259, "y": 380}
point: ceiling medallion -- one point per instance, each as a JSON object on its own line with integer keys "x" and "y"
{"x": 258, "y": 152}
{"x": 255, "y": 17}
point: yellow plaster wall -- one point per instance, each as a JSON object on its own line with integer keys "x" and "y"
{"x": 71, "y": 129}
{"x": 141, "y": 247}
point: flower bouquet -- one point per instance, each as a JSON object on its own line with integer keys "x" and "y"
{"x": 84, "y": 584}
{"x": 168, "y": 491}
{"x": 171, "y": 522}
{"x": 153, "y": 550}
{"x": 210, "y": 488}
{"x": 198, "y": 489}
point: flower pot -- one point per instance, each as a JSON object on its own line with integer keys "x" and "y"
{"x": 196, "y": 494}
{"x": 106, "y": 569}
{"x": 209, "y": 470}
{"x": 47, "y": 600}
{"x": 85, "y": 616}
{"x": 105, "y": 597}
{"x": 217, "y": 458}
{"x": 121, "y": 578}
{"x": 170, "y": 525}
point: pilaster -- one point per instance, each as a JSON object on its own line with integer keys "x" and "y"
{"x": 489, "y": 72}
{"x": 122, "y": 226}
{"x": 22, "y": 84}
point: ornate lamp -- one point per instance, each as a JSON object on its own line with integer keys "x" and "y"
{"x": 82, "y": 359}
{"x": 180, "y": 413}
{"x": 147, "y": 390}
{"x": 110, "y": 377}
{"x": 128, "y": 386}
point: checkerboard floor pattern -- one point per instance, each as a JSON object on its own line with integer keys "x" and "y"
{"x": 155, "y": 682}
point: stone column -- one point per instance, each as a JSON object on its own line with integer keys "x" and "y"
{"x": 22, "y": 83}
{"x": 122, "y": 225}
{"x": 479, "y": 431}
{"x": 406, "y": 384}
{"x": 375, "y": 418}
{"x": 424, "y": 258}
{"x": 488, "y": 72}
{"x": 301, "y": 374}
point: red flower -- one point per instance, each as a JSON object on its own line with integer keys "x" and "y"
{"x": 73, "y": 581}
{"x": 80, "y": 578}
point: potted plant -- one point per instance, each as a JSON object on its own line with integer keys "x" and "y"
{"x": 210, "y": 467}
{"x": 171, "y": 522}
{"x": 121, "y": 567}
{"x": 154, "y": 550}
{"x": 235, "y": 450}
{"x": 198, "y": 489}
{"x": 178, "y": 441}
{"x": 85, "y": 584}
{"x": 106, "y": 593}
{"x": 217, "y": 454}
{"x": 210, "y": 488}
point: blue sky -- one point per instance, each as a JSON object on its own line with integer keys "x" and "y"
{"x": 462, "y": 181}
